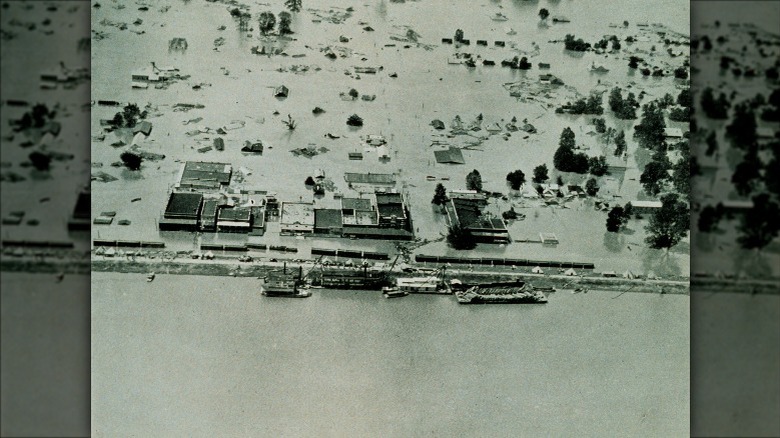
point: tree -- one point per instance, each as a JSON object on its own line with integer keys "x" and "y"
{"x": 293, "y": 5}
{"x": 685, "y": 98}
{"x": 354, "y": 120}
{"x": 516, "y": 179}
{"x": 285, "y": 20}
{"x": 708, "y": 219}
{"x": 40, "y": 160}
{"x": 460, "y": 238}
{"x": 747, "y": 174}
{"x": 669, "y": 224}
{"x": 131, "y": 160}
{"x": 591, "y": 187}
{"x": 616, "y": 218}
{"x": 353, "y": 93}
{"x": 601, "y": 125}
{"x": 474, "y": 181}
{"x": 759, "y": 225}
{"x": 615, "y": 45}
{"x": 714, "y": 108}
{"x": 615, "y": 99}
{"x": 742, "y": 130}
{"x": 540, "y": 174}
{"x": 118, "y": 121}
{"x": 597, "y": 166}
{"x": 653, "y": 177}
{"x": 650, "y": 130}
{"x": 309, "y": 181}
{"x": 681, "y": 176}
{"x": 567, "y": 138}
{"x": 266, "y": 22}
{"x": 712, "y": 144}
{"x": 439, "y": 195}
{"x": 628, "y": 210}
{"x": 458, "y": 35}
{"x": 620, "y": 144}
{"x": 544, "y": 13}
{"x": 771, "y": 181}
{"x": 627, "y": 111}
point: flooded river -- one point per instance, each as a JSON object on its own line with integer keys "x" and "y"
{"x": 206, "y": 356}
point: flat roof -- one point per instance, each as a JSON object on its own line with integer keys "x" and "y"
{"x": 200, "y": 170}
{"x": 183, "y": 203}
{"x": 387, "y": 210}
{"x": 327, "y": 218}
{"x": 297, "y": 213}
{"x": 389, "y": 198}
{"x": 370, "y": 178}
{"x": 237, "y": 214}
{"x": 647, "y": 204}
{"x": 356, "y": 204}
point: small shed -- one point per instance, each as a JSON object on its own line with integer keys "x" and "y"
{"x": 570, "y": 272}
{"x": 537, "y": 270}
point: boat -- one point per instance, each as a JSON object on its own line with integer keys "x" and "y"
{"x": 284, "y": 284}
{"x": 150, "y": 277}
{"x": 430, "y": 178}
{"x": 393, "y": 292}
{"x": 510, "y": 292}
{"x": 498, "y": 17}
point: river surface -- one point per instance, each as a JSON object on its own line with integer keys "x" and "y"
{"x": 210, "y": 356}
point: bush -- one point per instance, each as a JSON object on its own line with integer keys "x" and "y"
{"x": 591, "y": 187}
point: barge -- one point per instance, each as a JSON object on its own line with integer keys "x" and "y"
{"x": 500, "y": 293}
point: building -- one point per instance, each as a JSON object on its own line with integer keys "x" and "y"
{"x": 673, "y": 133}
{"x": 208, "y": 215}
{"x": 385, "y": 179}
{"x": 182, "y": 212}
{"x": 391, "y": 210}
{"x": 328, "y": 221}
{"x": 80, "y": 219}
{"x": 645, "y": 207}
{"x": 358, "y": 212}
{"x": 205, "y": 175}
{"x": 467, "y": 213}
{"x": 234, "y": 220}
{"x": 297, "y": 217}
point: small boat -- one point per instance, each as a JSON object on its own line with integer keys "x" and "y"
{"x": 150, "y": 277}
{"x": 498, "y": 17}
{"x": 430, "y": 178}
{"x": 393, "y": 292}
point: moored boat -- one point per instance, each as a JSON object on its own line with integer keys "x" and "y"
{"x": 500, "y": 293}
{"x": 393, "y": 292}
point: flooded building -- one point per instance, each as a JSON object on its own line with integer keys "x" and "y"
{"x": 468, "y": 213}
{"x": 182, "y": 212}
{"x": 204, "y": 175}
{"x": 234, "y": 220}
{"x": 328, "y": 221}
{"x": 297, "y": 217}
{"x": 79, "y": 220}
{"x": 208, "y": 215}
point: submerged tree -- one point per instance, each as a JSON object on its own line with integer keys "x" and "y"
{"x": 293, "y": 5}
{"x": 439, "y": 195}
{"x": 669, "y": 224}
{"x": 289, "y": 123}
{"x": 540, "y": 174}
{"x": 620, "y": 143}
{"x": 285, "y": 20}
{"x": 759, "y": 225}
{"x": 650, "y": 131}
{"x": 266, "y": 22}
{"x": 40, "y": 160}
{"x": 474, "y": 181}
{"x": 354, "y": 120}
{"x": 653, "y": 177}
{"x": 131, "y": 160}
{"x": 516, "y": 179}
{"x": 460, "y": 238}
{"x": 616, "y": 218}
{"x": 544, "y": 13}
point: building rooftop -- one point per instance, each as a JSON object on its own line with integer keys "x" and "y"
{"x": 356, "y": 204}
{"x": 236, "y": 214}
{"x": 389, "y": 198}
{"x": 327, "y": 218}
{"x": 370, "y": 178}
{"x": 183, "y": 205}
{"x": 297, "y": 213}
{"x": 200, "y": 171}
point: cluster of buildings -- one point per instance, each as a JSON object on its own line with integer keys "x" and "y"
{"x": 381, "y": 215}
{"x": 202, "y": 200}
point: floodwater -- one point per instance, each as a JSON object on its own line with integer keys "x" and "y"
{"x": 210, "y": 356}
{"x": 21, "y": 72}
{"x": 426, "y": 88}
